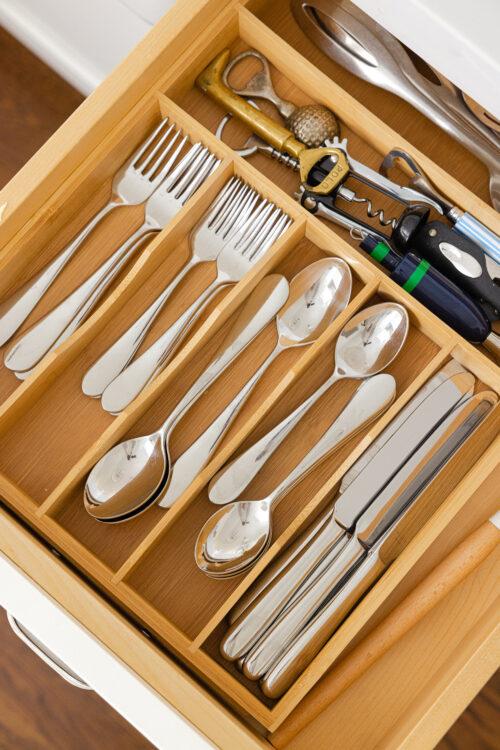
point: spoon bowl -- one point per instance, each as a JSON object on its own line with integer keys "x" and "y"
{"x": 226, "y": 539}
{"x": 129, "y": 477}
{"x": 138, "y": 472}
{"x": 234, "y": 537}
{"x": 367, "y": 344}
{"x": 371, "y": 340}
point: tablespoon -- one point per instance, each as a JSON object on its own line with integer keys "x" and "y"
{"x": 388, "y": 325}
{"x": 126, "y": 479}
{"x": 237, "y": 534}
{"x": 318, "y": 294}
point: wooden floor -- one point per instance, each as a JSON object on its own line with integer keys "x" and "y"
{"x": 38, "y": 711}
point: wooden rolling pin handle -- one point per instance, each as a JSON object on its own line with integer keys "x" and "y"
{"x": 465, "y": 558}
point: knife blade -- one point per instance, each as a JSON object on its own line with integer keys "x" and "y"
{"x": 403, "y": 443}
{"x": 451, "y": 368}
{"x": 454, "y": 384}
{"x": 379, "y": 538}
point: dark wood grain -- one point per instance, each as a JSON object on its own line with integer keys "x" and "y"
{"x": 34, "y": 101}
{"x": 38, "y": 710}
{"x": 478, "y": 728}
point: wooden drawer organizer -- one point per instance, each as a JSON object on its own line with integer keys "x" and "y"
{"x": 51, "y": 434}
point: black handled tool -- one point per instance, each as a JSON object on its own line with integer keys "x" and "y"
{"x": 456, "y": 256}
{"x": 435, "y": 291}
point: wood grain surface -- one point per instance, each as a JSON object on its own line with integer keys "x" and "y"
{"x": 38, "y": 710}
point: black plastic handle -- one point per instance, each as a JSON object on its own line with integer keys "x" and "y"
{"x": 456, "y": 256}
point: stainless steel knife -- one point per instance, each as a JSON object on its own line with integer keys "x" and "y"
{"x": 451, "y": 368}
{"x": 307, "y": 565}
{"x": 378, "y": 540}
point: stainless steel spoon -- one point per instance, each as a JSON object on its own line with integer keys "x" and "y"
{"x": 388, "y": 325}
{"x": 318, "y": 294}
{"x": 236, "y": 536}
{"x": 127, "y": 478}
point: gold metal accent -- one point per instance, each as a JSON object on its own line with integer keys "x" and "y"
{"x": 335, "y": 176}
{"x": 211, "y": 83}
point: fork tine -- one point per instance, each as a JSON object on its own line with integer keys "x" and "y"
{"x": 187, "y": 176}
{"x": 145, "y": 145}
{"x": 208, "y": 168}
{"x": 219, "y": 206}
{"x": 151, "y": 160}
{"x": 220, "y": 203}
{"x": 279, "y": 228}
{"x": 165, "y": 169}
{"x": 179, "y": 169}
{"x": 257, "y": 224}
{"x": 229, "y": 206}
{"x": 236, "y": 231}
{"x": 250, "y": 215}
{"x": 259, "y": 239}
{"x": 202, "y": 172}
{"x": 236, "y": 212}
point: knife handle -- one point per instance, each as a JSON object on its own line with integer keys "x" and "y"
{"x": 271, "y": 573}
{"x": 311, "y": 639}
{"x": 448, "y": 574}
{"x": 246, "y": 631}
{"x": 455, "y": 255}
{"x": 290, "y": 623}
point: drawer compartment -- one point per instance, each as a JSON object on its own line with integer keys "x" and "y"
{"x": 52, "y": 434}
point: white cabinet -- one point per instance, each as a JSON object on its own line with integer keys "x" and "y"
{"x": 67, "y": 643}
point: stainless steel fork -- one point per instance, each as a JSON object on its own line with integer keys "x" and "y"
{"x": 255, "y": 236}
{"x": 161, "y": 206}
{"x": 222, "y": 220}
{"x": 132, "y": 184}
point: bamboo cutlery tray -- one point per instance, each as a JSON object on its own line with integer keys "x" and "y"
{"x": 51, "y": 434}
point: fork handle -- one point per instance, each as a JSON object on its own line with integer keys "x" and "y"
{"x": 41, "y": 337}
{"x": 83, "y": 312}
{"x": 131, "y": 381}
{"x": 15, "y": 310}
{"x": 115, "y": 359}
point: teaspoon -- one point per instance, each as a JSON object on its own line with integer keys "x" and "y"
{"x": 318, "y": 293}
{"x": 235, "y": 536}
{"x": 127, "y": 478}
{"x": 388, "y": 323}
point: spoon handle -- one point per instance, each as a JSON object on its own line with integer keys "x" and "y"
{"x": 112, "y": 361}
{"x": 131, "y": 381}
{"x": 39, "y": 339}
{"x": 254, "y": 621}
{"x": 256, "y": 313}
{"x": 372, "y": 397}
{"x": 187, "y": 466}
{"x": 230, "y": 482}
{"x": 84, "y": 312}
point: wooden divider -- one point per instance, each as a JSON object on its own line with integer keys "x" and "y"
{"x": 372, "y": 130}
{"x": 134, "y": 569}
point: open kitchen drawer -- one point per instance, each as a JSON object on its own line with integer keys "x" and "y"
{"x": 141, "y": 575}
